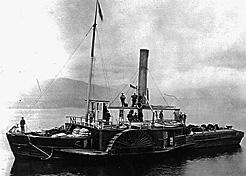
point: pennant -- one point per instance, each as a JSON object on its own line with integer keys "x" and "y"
{"x": 132, "y": 86}
{"x": 100, "y": 10}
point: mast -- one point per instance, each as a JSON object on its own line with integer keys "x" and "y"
{"x": 91, "y": 66}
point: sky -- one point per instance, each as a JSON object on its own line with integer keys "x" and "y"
{"x": 192, "y": 43}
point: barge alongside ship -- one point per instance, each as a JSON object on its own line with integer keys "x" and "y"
{"x": 99, "y": 138}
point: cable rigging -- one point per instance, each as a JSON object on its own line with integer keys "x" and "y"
{"x": 133, "y": 76}
{"x": 105, "y": 73}
{"x": 158, "y": 88}
{"x": 161, "y": 92}
{"x": 60, "y": 71}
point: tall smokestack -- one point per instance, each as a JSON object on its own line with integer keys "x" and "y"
{"x": 142, "y": 77}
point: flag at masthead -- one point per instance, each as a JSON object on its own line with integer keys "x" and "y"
{"x": 100, "y": 10}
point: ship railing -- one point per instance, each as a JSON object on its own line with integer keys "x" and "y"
{"x": 81, "y": 120}
{"x": 76, "y": 119}
{"x": 144, "y": 124}
{"x": 102, "y": 124}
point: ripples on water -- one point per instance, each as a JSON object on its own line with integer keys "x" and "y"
{"x": 205, "y": 163}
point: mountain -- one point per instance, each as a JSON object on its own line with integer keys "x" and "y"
{"x": 60, "y": 93}
{"x": 215, "y": 104}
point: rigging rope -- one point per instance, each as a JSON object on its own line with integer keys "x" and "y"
{"x": 158, "y": 87}
{"x": 59, "y": 72}
{"x": 171, "y": 96}
{"x": 105, "y": 73}
{"x": 123, "y": 88}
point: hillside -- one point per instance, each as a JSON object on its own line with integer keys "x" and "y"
{"x": 64, "y": 92}
{"x": 216, "y": 104}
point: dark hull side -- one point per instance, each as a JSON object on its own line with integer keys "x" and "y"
{"x": 45, "y": 148}
{"x": 41, "y": 147}
{"x": 163, "y": 154}
{"x": 223, "y": 138}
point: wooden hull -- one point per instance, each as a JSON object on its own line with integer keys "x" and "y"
{"x": 44, "y": 148}
{"x": 40, "y": 147}
{"x": 97, "y": 156}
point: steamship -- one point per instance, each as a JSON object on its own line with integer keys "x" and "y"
{"x": 99, "y": 138}
{"x": 92, "y": 136}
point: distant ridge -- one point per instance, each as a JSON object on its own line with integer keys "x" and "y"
{"x": 64, "y": 92}
{"x": 206, "y": 104}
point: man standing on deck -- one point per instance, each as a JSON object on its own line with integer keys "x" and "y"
{"x": 135, "y": 117}
{"x": 130, "y": 116}
{"x": 122, "y": 99}
{"x": 134, "y": 99}
{"x": 108, "y": 115}
{"x": 161, "y": 115}
{"x": 22, "y": 125}
{"x": 140, "y": 115}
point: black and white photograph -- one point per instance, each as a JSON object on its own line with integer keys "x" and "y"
{"x": 123, "y": 87}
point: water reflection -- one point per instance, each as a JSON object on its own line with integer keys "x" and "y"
{"x": 178, "y": 165}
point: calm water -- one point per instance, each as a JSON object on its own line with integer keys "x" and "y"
{"x": 206, "y": 163}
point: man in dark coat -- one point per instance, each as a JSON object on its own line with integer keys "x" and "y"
{"x": 107, "y": 117}
{"x": 122, "y": 99}
{"x": 22, "y": 125}
{"x": 134, "y": 99}
{"x": 135, "y": 117}
{"x": 140, "y": 115}
{"x": 130, "y": 116}
{"x": 161, "y": 115}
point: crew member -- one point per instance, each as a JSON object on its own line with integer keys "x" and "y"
{"x": 156, "y": 115}
{"x": 176, "y": 115}
{"x": 135, "y": 117}
{"x": 140, "y": 115}
{"x": 134, "y": 99}
{"x": 105, "y": 109}
{"x": 180, "y": 117}
{"x": 107, "y": 117}
{"x": 184, "y": 118}
{"x": 122, "y": 99}
{"x": 22, "y": 125}
{"x": 92, "y": 116}
{"x": 130, "y": 116}
{"x": 161, "y": 115}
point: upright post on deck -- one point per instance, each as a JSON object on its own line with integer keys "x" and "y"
{"x": 100, "y": 138}
{"x": 91, "y": 66}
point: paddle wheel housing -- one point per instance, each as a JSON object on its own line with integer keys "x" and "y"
{"x": 130, "y": 141}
